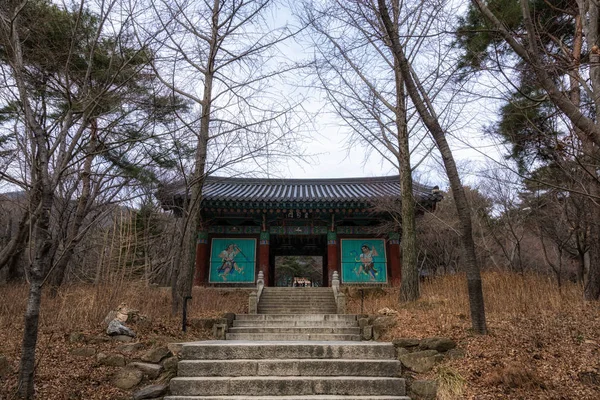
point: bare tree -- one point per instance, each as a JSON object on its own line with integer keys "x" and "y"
{"x": 561, "y": 71}
{"x": 65, "y": 78}
{"x": 223, "y": 56}
{"x": 428, "y": 115}
{"x": 356, "y": 69}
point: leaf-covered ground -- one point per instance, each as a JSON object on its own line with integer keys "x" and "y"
{"x": 542, "y": 343}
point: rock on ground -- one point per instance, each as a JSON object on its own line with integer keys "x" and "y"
{"x": 405, "y": 342}
{"x": 149, "y": 392}
{"x": 156, "y": 355}
{"x": 111, "y": 360}
{"x": 121, "y": 338}
{"x": 152, "y": 370}
{"x": 175, "y": 348}
{"x": 423, "y": 390}
{"x": 130, "y": 347}
{"x": 127, "y": 377}
{"x": 84, "y": 351}
{"x": 456, "y": 353}
{"x": 440, "y": 344}
{"x": 170, "y": 364}
{"x": 75, "y": 337}
{"x": 117, "y": 328}
{"x": 421, "y": 361}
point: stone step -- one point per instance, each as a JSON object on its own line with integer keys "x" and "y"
{"x": 307, "y": 306}
{"x": 289, "y": 311}
{"x": 231, "y": 350}
{"x": 276, "y": 312}
{"x": 297, "y": 289}
{"x": 292, "y": 336}
{"x": 307, "y": 397}
{"x": 298, "y": 300}
{"x": 287, "y": 385}
{"x": 295, "y": 329}
{"x": 298, "y": 305}
{"x": 290, "y": 367}
{"x": 295, "y": 317}
{"x": 291, "y": 322}
{"x": 298, "y": 295}
{"x": 291, "y": 304}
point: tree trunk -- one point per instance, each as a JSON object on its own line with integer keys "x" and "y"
{"x": 39, "y": 268}
{"x": 430, "y": 120}
{"x": 194, "y": 215}
{"x": 409, "y": 288}
{"x": 592, "y": 284}
{"x": 14, "y": 247}
{"x": 80, "y": 213}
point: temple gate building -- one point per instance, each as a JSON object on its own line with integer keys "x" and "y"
{"x": 251, "y": 225}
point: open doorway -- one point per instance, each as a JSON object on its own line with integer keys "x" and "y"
{"x": 298, "y": 271}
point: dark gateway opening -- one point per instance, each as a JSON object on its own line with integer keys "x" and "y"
{"x": 299, "y": 271}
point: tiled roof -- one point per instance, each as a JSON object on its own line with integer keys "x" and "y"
{"x": 313, "y": 190}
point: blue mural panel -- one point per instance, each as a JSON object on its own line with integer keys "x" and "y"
{"x": 363, "y": 261}
{"x": 232, "y": 260}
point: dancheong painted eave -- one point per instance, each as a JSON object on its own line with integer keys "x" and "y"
{"x": 315, "y": 191}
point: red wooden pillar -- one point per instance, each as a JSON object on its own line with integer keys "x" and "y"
{"x": 263, "y": 255}
{"x": 394, "y": 259}
{"x": 332, "y": 255}
{"x": 201, "y": 267}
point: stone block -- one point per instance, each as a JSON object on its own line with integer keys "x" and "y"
{"x": 202, "y": 323}
{"x": 99, "y": 339}
{"x": 230, "y": 317}
{"x": 219, "y": 331}
{"x": 121, "y": 338}
{"x": 111, "y": 360}
{"x": 175, "y": 348}
{"x": 401, "y": 351}
{"x": 170, "y": 364}
{"x": 150, "y": 392}
{"x": 115, "y": 327}
{"x": 440, "y": 344}
{"x": 455, "y": 353}
{"x": 421, "y": 361}
{"x": 156, "y": 355}
{"x": 423, "y": 390}
{"x": 130, "y": 347}
{"x": 405, "y": 342}
{"x": 367, "y": 332}
{"x": 127, "y": 378}
{"x": 151, "y": 370}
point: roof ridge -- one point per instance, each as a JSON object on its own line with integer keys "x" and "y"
{"x": 302, "y": 181}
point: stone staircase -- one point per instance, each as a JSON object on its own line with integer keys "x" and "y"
{"x": 295, "y": 348}
{"x": 309, "y": 300}
{"x": 323, "y": 327}
{"x": 288, "y": 370}
{"x": 295, "y": 314}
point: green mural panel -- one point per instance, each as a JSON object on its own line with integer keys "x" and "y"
{"x": 363, "y": 261}
{"x": 232, "y": 260}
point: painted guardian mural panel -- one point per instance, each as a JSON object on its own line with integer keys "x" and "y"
{"x": 232, "y": 260}
{"x": 363, "y": 261}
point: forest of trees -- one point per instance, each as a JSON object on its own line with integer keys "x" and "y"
{"x": 102, "y": 103}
